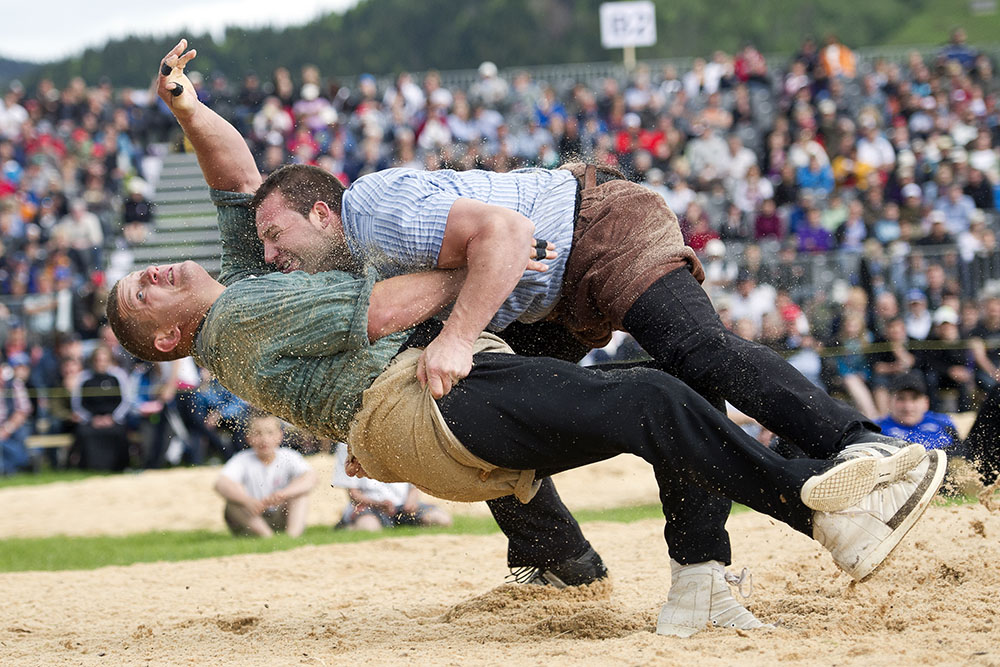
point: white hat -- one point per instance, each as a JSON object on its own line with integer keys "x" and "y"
{"x": 912, "y": 190}
{"x": 487, "y": 69}
{"x": 945, "y": 314}
{"x": 310, "y": 91}
{"x": 715, "y": 248}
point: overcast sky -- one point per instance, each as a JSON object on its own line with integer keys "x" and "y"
{"x": 45, "y": 30}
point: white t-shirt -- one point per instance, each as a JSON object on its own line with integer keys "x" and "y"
{"x": 377, "y": 491}
{"x": 261, "y": 480}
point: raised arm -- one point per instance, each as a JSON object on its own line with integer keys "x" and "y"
{"x": 223, "y": 155}
{"x": 490, "y": 241}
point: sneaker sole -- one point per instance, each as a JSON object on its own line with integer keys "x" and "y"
{"x": 893, "y": 467}
{"x": 906, "y": 516}
{"x": 849, "y": 481}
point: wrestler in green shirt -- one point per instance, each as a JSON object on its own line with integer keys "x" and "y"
{"x": 265, "y": 323}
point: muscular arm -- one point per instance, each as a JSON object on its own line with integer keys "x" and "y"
{"x": 489, "y": 241}
{"x": 405, "y": 301}
{"x": 223, "y": 155}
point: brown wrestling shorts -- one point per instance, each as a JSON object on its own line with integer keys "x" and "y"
{"x": 624, "y": 240}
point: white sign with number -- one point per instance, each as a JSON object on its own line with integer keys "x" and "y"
{"x": 625, "y": 24}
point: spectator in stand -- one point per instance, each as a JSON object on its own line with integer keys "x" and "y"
{"x": 719, "y": 271}
{"x": 892, "y": 357}
{"x": 816, "y": 177}
{"x": 707, "y": 153}
{"x": 806, "y": 147}
{"x": 985, "y": 343}
{"x": 874, "y": 150}
{"x": 852, "y": 363}
{"x": 937, "y": 289}
{"x": 137, "y": 216}
{"x": 750, "y": 192}
{"x": 221, "y": 410}
{"x": 373, "y": 505}
{"x": 266, "y": 488}
{"x": 81, "y": 231}
{"x": 751, "y": 300}
{"x": 852, "y": 233}
{"x": 152, "y": 390}
{"x": 836, "y": 60}
{"x": 918, "y": 317}
{"x": 48, "y": 311}
{"x": 958, "y": 51}
{"x": 887, "y": 228}
{"x": 938, "y": 235}
{"x": 679, "y": 195}
{"x": 981, "y": 189}
{"x": 15, "y": 414}
{"x": 948, "y": 365}
{"x": 910, "y": 418}
{"x": 814, "y": 237}
{"x": 768, "y": 223}
{"x": 101, "y": 403}
{"x": 490, "y": 90}
{"x": 957, "y": 208}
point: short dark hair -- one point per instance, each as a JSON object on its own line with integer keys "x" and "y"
{"x": 135, "y": 335}
{"x": 301, "y": 186}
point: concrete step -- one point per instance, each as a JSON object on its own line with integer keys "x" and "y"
{"x": 180, "y": 171}
{"x": 183, "y": 195}
{"x": 181, "y": 182}
{"x": 189, "y": 208}
{"x": 174, "y": 159}
{"x": 183, "y": 237}
{"x": 167, "y": 254}
{"x": 186, "y": 222}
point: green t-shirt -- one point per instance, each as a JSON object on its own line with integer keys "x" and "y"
{"x": 293, "y": 344}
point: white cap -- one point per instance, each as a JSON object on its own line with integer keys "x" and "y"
{"x": 945, "y": 314}
{"x": 487, "y": 69}
{"x": 715, "y": 248}
{"x": 310, "y": 91}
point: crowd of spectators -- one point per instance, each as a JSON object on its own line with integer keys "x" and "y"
{"x": 845, "y": 211}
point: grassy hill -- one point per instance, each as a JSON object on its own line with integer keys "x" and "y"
{"x": 933, "y": 23}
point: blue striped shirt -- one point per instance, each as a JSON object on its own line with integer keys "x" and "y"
{"x": 395, "y": 220}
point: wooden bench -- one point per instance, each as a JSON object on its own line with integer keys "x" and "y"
{"x": 58, "y": 440}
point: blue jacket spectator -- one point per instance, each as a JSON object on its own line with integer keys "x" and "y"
{"x": 910, "y": 417}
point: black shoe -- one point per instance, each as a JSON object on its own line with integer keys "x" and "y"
{"x": 583, "y": 569}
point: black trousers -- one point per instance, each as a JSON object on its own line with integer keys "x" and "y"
{"x": 676, "y": 324}
{"x": 549, "y": 415}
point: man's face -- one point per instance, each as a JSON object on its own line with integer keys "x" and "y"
{"x": 166, "y": 294}
{"x": 264, "y": 436}
{"x": 909, "y": 407}
{"x": 293, "y": 242}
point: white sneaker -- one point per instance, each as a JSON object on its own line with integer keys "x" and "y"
{"x": 861, "y": 537}
{"x": 699, "y": 597}
{"x": 853, "y": 478}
